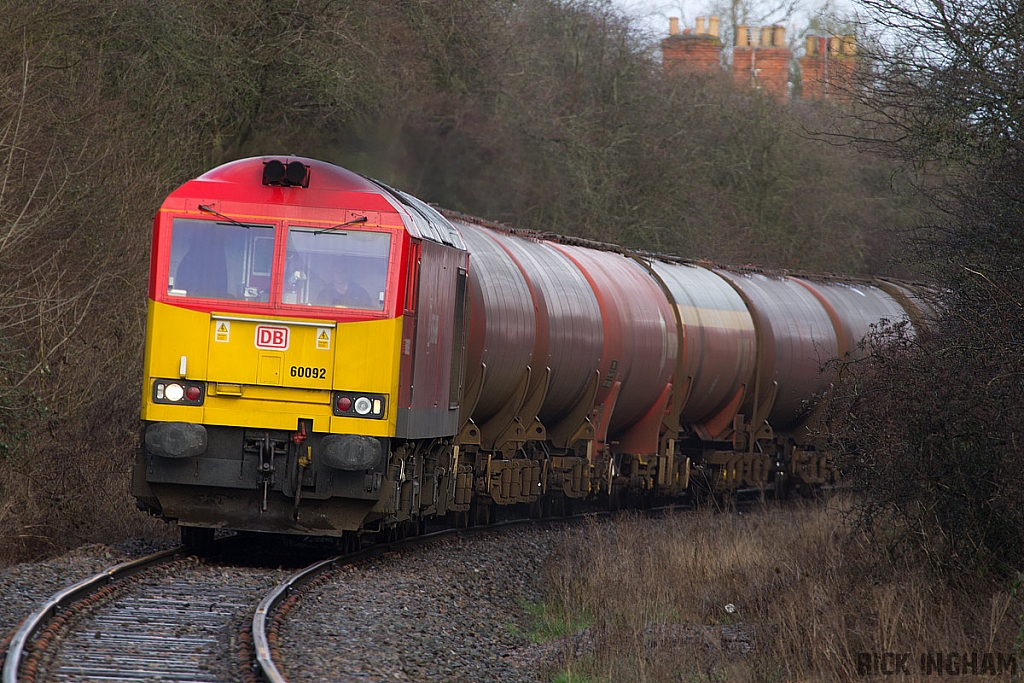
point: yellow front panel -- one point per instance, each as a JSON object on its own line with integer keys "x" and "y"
{"x": 257, "y": 350}
{"x": 367, "y": 359}
{"x": 271, "y": 387}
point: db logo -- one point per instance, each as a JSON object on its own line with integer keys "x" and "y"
{"x": 271, "y": 337}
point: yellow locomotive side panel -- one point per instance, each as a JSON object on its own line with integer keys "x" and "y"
{"x": 173, "y": 333}
{"x": 269, "y": 372}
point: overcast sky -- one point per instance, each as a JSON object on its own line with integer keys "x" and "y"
{"x": 654, "y": 14}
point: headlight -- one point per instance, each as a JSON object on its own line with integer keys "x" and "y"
{"x": 358, "y": 404}
{"x": 179, "y": 392}
{"x": 363, "y": 405}
{"x": 174, "y": 392}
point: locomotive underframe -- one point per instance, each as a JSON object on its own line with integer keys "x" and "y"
{"x": 261, "y": 480}
{"x": 272, "y": 481}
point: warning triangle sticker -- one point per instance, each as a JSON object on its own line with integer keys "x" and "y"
{"x": 323, "y": 339}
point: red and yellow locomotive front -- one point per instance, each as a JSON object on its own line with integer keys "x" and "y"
{"x": 283, "y": 307}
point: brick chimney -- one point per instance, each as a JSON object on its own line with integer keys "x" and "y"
{"x": 828, "y": 67}
{"x": 761, "y": 60}
{"x": 699, "y": 51}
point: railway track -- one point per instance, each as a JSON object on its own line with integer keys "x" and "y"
{"x": 273, "y": 610}
{"x": 174, "y": 616}
{"x": 33, "y": 637}
{"x": 171, "y": 616}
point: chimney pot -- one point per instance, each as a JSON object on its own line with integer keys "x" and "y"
{"x": 850, "y": 45}
{"x": 713, "y": 26}
{"x": 700, "y": 26}
{"x": 766, "y": 36}
{"x": 741, "y": 35}
{"x": 811, "y": 45}
{"x": 779, "y": 36}
{"x": 673, "y": 26}
{"x": 833, "y": 45}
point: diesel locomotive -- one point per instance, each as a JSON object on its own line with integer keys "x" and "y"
{"x": 326, "y": 355}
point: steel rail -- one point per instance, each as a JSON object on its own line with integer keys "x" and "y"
{"x": 267, "y": 667}
{"x": 58, "y": 601}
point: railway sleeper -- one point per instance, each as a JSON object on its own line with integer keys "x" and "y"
{"x": 422, "y": 480}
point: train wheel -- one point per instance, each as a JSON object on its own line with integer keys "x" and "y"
{"x": 782, "y": 486}
{"x": 196, "y": 537}
{"x": 481, "y": 513}
{"x": 616, "y": 499}
{"x": 348, "y": 542}
{"x": 413, "y": 527}
{"x": 726, "y": 501}
{"x": 645, "y": 499}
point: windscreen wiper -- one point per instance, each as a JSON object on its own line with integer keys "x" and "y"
{"x": 229, "y": 219}
{"x": 360, "y": 219}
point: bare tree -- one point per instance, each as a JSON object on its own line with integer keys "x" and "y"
{"x": 936, "y": 421}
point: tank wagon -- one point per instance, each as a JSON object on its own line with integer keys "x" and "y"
{"x": 326, "y": 355}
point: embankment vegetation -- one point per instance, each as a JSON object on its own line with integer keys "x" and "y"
{"x": 791, "y": 593}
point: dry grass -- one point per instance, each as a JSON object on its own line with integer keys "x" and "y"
{"x": 777, "y": 594}
{"x": 50, "y": 504}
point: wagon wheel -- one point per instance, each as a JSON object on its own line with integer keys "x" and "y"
{"x": 196, "y": 537}
{"x": 481, "y": 512}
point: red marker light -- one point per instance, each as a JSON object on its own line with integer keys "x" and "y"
{"x": 344, "y": 404}
{"x": 193, "y": 393}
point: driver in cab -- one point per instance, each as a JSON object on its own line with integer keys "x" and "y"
{"x": 343, "y": 291}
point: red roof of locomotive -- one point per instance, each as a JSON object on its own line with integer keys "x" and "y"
{"x": 240, "y": 181}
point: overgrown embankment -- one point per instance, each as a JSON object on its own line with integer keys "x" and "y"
{"x": 791, "y": 593}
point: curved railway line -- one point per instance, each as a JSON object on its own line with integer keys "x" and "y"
{"x": 177, "y": 616}
{"x": 170, "y": 616}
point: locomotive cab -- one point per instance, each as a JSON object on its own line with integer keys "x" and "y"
{"x": 282, "y": 315}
